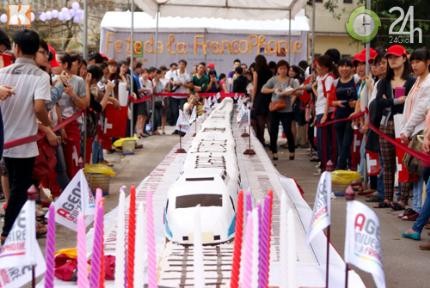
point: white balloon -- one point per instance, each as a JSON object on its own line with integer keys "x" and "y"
{"x": 32, "y": 16}
{"x": 48, "y": 15}
{"x": 42, "y": 17}
{"x": 76, "y": 5}
{"x": 67, "y": 15}
{"x": 80, "y": 13}
{"x": 77, "y": 19}
{"x": 64, "y": 10}
{"x": 54, "y": 14}
{"x": 61, "y": 16}
{"x": 72, "y": 12}
{"x": 3, "y": 18}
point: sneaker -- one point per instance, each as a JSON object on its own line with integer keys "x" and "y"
{"x": 315, "y": 159}
{"x": 412, "y": 235}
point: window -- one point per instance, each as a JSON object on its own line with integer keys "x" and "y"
{"x": 204, "y": 200}
{"x": 347, "y": 1}
{"x": 200, "y": 179}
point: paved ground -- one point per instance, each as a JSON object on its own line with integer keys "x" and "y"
{"x": 405, "y": 265}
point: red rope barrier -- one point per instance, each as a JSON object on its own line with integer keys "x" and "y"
{"x": 424, "y": 157}
{"x": 37, "y": 137}
{"x": 350, "y": 118}
{"x": 173, "y": 94}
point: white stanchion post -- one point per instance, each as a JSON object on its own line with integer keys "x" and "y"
{"x": 139, "y": 261}
{"x": 291, "y": 250}
{"x": 283, "y": 241}
{"x": 120, "y": 242}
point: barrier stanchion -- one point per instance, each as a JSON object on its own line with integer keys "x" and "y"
{"x": 180, "y": 149}
{"x": 249, "y": 151}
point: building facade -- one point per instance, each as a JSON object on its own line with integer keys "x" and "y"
{"x": 330, "y": 28}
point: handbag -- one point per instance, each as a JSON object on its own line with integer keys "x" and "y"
{"x": 277, "y": 105}
{"x": 410, "y": 162}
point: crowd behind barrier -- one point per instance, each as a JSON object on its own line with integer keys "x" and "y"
{"x": 331, "y": 107}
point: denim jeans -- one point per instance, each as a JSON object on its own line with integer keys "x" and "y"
{"x": 61, "y": 169}
{"x": 362, "y": 167}
{"x": 425, "y": 212}
{"x": 97, "y": 152}
{"x": 344, "y": 137}
{"x": 417, "y": 192}
{"x": 157, "y": 116}
{"x": 380, "y": 183}
{"x": 175, "y": 105}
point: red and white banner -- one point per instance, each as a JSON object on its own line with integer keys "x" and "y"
{"x": 115, "y": 121}
{"x": 21, "y": 250}
{"x": 75, "y": 198}
{"x": 403, "y": 175}
{"x": 321, "y": 212}
{"x": 363, "y": 241}
{"x": 355, "y": 149}
{"x": 373, "y": 164}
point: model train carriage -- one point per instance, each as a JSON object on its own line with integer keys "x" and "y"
{"x": 215, "y": 193}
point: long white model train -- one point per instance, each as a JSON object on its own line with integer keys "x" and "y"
{"x": 210, "y": 178}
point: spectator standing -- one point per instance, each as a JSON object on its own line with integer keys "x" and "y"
{"x": 200, "y": 79}
{"x": 260, "y": 101}
{"x": 182, "y": 84}
{"x": 32, "y": 91}
{"x": 240, "y": 82}
{"x": 345, "y": 101}
{"x": 72, "y": 100}
{"x": 283, "y": 88}
{"x": 222, "y": 83}
{"x": 398, "y": 78}
{"x": 231, "y": 74}
{"x": 213, "y": 85}
{"x": 160, "y": 104}
{"x": 414, "y": 114}
{"x": 324, "y": 88}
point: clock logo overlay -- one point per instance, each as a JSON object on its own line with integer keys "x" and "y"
{"x": 363, "y": 24}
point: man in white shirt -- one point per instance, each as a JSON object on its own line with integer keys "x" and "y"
{"x": 182, "y": 80}
{"x": 20, "y": 112}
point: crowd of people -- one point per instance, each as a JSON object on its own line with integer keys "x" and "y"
{"x": 323, "y": 106}
{"x": 340, "y": 103}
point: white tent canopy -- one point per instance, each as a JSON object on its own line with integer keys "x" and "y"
{"x": 143, "y": 22}
{"x": 226, "y": 9}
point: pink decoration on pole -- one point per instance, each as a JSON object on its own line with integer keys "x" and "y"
{"x": 248, "y": 202}
{"x": 82, "y": 254}
{"x": 152, "y": 257}
{"x": 96, "y": 258}
{"x": 247, "y": 259}
{"x": 99, "y": 197}
{"x": 50, "y": 248}
{"x": 264, "y": 256}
